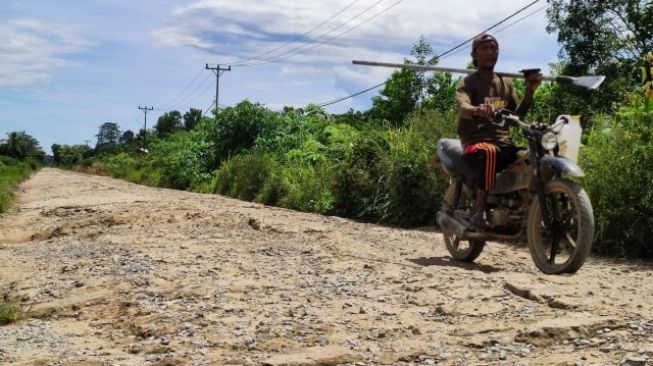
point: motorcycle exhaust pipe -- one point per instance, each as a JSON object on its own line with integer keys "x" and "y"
{"x": 451, "y": 224}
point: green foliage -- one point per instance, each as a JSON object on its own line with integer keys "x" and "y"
{"x": 108, "y": 138}
{"x": 235, "y": 129}
{"x": 12, "y": 172}
{"x": 183, "y": 159}
{"x": 599, "y": 32}
{"x": 192, "y": 118}
{"x": 307, "y": 187}
{"x": 20, "y": 145}
{"x": 244, "y": 176}
{"x": 68, "y": 156}
{"x": 618, "y": 165}
{"x": 11, "y": 312}
{"x": 168, "y": 123}
{"x": 607, "y": 37}
{"x": 398, "y": 98}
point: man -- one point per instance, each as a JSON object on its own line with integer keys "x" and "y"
{"x": 488, "y": 148}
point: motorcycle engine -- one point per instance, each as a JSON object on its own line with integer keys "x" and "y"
{"x": 499, "y": 217}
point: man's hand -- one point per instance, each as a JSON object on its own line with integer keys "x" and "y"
{"x": 484, "y": 111}
{"x": 533, "y": 79}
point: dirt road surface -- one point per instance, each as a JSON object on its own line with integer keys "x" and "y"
{"x": 114, "y": 273}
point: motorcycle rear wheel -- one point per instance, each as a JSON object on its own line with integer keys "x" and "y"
{"x": 462, "y": 250}
{"x": 563, "y": 247}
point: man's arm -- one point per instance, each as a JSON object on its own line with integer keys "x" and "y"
{"x": 464, "y": 101}
{"x": 465, "y": 108}
{"x": 533, "y": 81}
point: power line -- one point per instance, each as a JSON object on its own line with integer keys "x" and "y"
{"x": 504, "y": 27}
{"x": 173, "y": 102}
{"x": 298, "y": 37}
{"x": 340, "y": 34}
{"x": 448, "y": 52}
{"x": 490, "y": 28}
{"x": 194, "y": 94}
{"x": 170, "y": 103}
{"x": 277, "y": 57}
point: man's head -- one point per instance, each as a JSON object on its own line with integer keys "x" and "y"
{"x": 485, "y": 51}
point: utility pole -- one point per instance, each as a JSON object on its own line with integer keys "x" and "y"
{"x": 217, "y": 71}
{"x": 87, "y": 142}
{"x": 145, "y": 109}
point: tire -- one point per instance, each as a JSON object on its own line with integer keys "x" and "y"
{"x": 573, "y": 228}
{"x": 455, "y": 246}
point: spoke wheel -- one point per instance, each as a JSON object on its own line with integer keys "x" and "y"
{"x": 562, "y": 246}
{"x": 462, "y": 250}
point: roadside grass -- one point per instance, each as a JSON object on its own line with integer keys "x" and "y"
{"x": 11, "y": 312}
{"x": 12, "y": 173}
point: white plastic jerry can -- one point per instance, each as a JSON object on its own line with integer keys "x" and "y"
{"x": 569, "y": 137}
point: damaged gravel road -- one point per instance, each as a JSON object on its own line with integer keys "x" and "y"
{"x": 119, "y": 274}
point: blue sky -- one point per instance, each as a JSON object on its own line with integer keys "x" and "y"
{"x": 67, "y": 66}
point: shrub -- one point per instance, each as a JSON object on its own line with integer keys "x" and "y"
{"x": 619, "y": 166}
{"x": 307, "y": 188}
{"x": 12, "y": 173}
{"x": 11, "y": 312}
{"x": 243, "y": 176}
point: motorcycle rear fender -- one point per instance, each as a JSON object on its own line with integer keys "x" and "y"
{"x": 562, "y": 165}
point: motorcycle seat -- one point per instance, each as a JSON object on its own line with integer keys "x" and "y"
{"x": 450, "y": 152}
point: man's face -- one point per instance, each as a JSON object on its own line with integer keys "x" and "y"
{"x": 486, "y": 55}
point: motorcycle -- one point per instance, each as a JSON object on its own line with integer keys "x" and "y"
{"x": 534, "y": 198}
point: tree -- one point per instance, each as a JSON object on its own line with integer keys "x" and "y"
{"x": 607, "y": 37}
{"x": 191, "y": 118}
{"x": 21, "y": 146}
{"x": 168, "y": 123}
{"x": 407, "y": 90}
{"x": 127, "y": 137}
{"x": 108, "y": 134}
{"x": 598, "y": 32}
{"x": 441, "y": 92}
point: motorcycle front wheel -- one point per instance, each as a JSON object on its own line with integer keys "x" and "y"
{"x": 564, "y": 246}
{"x": 462, "y": 250}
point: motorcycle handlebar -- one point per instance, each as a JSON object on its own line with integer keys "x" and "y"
{"x": 503, "y": 115}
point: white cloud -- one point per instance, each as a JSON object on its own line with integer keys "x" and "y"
{"x": 251, "y": 27}
{"x": 31, "y": 49}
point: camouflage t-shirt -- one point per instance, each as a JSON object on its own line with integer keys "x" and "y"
{"x": 473, "y": 91}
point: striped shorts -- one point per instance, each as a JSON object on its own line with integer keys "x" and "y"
{"x": 487, "y": 159}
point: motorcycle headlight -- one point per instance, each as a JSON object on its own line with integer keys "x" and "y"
{"x": 549, "y": 141}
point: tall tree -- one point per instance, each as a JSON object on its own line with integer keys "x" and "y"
{"x": 607, "y": 37}
{"x": 598, "y": 32}
{"x": 406, "y": 90}
{"x": 168, "y": 123}
{"x": 20, "y": 145}
{"x": 108, "y": 137}
{"x": 127, "y": 137}
{"x": 191, "y": 118}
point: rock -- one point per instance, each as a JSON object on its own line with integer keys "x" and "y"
{"x": 324, "y": 341}
{"x": 314, "y": 356}
{"x": 633, "y": 361}
{"x": 550, "y": 331}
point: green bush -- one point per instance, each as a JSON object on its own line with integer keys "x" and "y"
{"x": 11, "y": 312}
{"x": 618, "y": 162}
{"x": 308, "y": 188}
{"x": 414, "y": 190}
{"x": 12, "y": 173}
{"x": 244, "y": 176}
{"x": 184, "y": 159}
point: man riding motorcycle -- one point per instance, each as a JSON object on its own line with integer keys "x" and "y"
{"x": 488, "y": 148}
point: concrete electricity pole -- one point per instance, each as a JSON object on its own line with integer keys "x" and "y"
{"x": 145, "y": 109}
{"x": 218, "y": 71}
